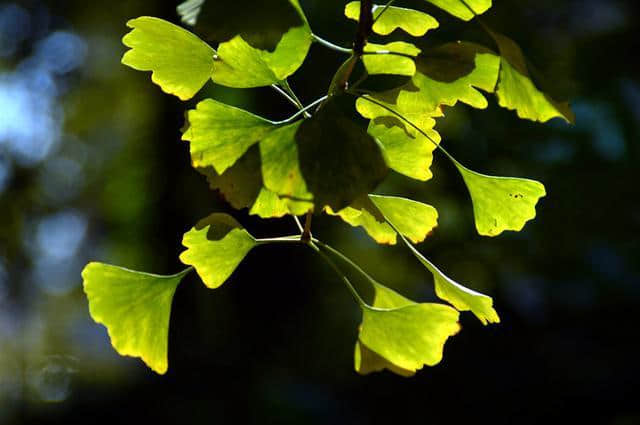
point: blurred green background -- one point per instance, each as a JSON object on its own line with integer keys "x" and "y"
{"x": 92, "y": 168}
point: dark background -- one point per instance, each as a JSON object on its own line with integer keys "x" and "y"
{"x": 92, "y": 168}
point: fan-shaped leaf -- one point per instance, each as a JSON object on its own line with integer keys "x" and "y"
{"x": 215, "y": 247}
{"x": 220, "y": 134}
{"x": 363, "y": 213}
{"x": 382, "y": 58}
{"x": 501, "y": 203}
{"x": 180, "y": 62}
{"x": 516, "y": 90}
{"x": 462, "y": 298}
{"x": 413, "y": 219}
{"x": 135, "y": 307}
{"x": 414, "y": 22}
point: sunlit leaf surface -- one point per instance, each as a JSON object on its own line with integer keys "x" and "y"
{"x": 462, "y": 298}
{"x": 516, "y": 90}
{"x": 413, "y": 22}
{"x": 386, "y": 62}
{"x": 501, "y": 203}
{"x": 180, "y": 62}
{"x": 135, "y": 307}
{"x": 215, "y": 247}
{"x": 413, "y": 219}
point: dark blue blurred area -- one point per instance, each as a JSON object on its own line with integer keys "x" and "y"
{"x": 92, "y": 168}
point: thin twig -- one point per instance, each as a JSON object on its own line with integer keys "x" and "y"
{"x": 330, "y": 45}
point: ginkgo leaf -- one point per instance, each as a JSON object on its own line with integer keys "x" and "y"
{"x": 413, "y": 22}
{"x": 412, "y": 219}
{"x": 437, "y": 82}
{"x": 221, "y": 20}
{"x": 382, "y": 58}
{"x": 516, "y": 90}
{"x": 462, "y": 298}
{"x": 135, "y": 307}
{"x": 367, "y": 361}
{"x": 338, "y": 160}
{"x": 281, "y": 168}
{"x": 463, "y": 9}
{"x": 215, "y": 247}
{"x": 242, "y": 66}
{"x": 501, "y": 203}
{"x": 220, "y": 134}
{"x": 180, "y": 62}
{"x": 411, "y": 336}
{"x": 363, "y": 213}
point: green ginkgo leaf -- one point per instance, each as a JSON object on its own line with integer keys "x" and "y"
{"x": 261, "y": 24}
{"x": 215, "y": 247}
{"x": 461, "y": 297}
{"x": 412, "y": 219}
{"x": 135, "y": 307}
{"x": 388, "y": 59}
{"x": 363, "y": 213}
{"x": 367, "y": 361}
{"x": 501, "y": 203}
{"x": 180, "y": 62}
{"x": 339, "y": 161}
{"x": 463, "y": 9}
{"x": 408, "y": 151}
{"x": 220, "y": 134}
{"x": 413, "y": 22}
{"x": 516, "y": 90}
{"x": 411, "y": 336}
{"x": 242, "y": 66}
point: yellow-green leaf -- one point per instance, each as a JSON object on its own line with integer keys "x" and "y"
{"x": 388, "y": 59}
{"x": 412, "y": 219}
{"x": 463, "y": 9}
{"x": 180, "y": 62}
{"x": 461, "y": 297}
{"x": 516, "y": 90}
{"x": 363, "y": 213}
{"x": 241, "y": 65}
{"x": 414, "y": 22}
{"x": 135, "y": 307}
{"x": 215, "y": 247}
{"x": 220, "y": 134}
{"x": 501, "y": 203}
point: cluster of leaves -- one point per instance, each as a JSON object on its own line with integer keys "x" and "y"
{"x": 324, "y": 160}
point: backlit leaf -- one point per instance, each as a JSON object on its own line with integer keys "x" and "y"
{"x": 180, "y": 62}
{"x": 215, "y": 247}
{"x": 516, "y": 90}
{"x": 261, "y": 24}
{"x": 363, "y": 213}
{"x": 413, "y": 219}
{"x": 501, "y": 203}
{"x": 462, "y": 298}
{"x": 463, "y": 9}
{"x": 220, "y": 134}
{"x": 242, "y": 66}
{"x": 135, "y": 307}
{"x": 414, "y": 22}
{"x": 386, "y": 62}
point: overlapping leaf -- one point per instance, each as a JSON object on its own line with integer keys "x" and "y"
{"x": 261, "y": 24}
{"x": 501, "y": 203}
{"x": 135, "y": 307}
{"x": 363, "y": 213}
{"x": 401, "y": 335}
{"x": 392, "y": 58}
{"x": 180, "y": 62}
{"x": 413, "y": 22}
{"x": 215, "y": 247}
{"x": 516, "y": 90}
{"x": 463, "y": 9}
{"x": 412, "y": 219}
{"x": 241, "y": 65}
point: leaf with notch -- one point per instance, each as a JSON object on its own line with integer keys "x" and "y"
{"x": 413, "y": 22}
{"x": 135, "y": 307}
{"x": 412, "y": 219}
{"x": 180, "y": 62}
{"x": 215, "y": 247}
{"x": 501, "y": 203}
